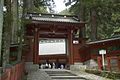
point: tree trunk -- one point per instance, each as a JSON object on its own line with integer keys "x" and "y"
{"x": 82, "y": 17}
{"x": 93, "y": 24}
{"x": 15, "y": 26}
{"x": 20, "y": 48}
{"x": 7, "y": 34}
{"x": 1, "y": 28}
{"x": 28, "y": 5}
{"x": 82, "y": 10}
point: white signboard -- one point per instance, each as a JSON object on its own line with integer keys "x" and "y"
{"x": 75, "y": 42}
{"x": 102, "y": 52}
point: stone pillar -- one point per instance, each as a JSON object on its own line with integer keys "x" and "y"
{"x": 36, "y": 46}
{"x": 70, "y": 47}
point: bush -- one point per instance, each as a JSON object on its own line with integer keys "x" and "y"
{"x": 107, "y": 74}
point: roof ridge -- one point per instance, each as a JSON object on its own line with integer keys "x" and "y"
{"x": 53, "y": 14}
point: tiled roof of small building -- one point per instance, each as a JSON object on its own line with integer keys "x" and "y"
{"x": 106, "y": 40}
{"x": 53, "y": 17}
{"x": 116, "y": 34}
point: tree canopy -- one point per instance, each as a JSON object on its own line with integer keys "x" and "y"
{"x": 107, "y": 15}
{"x": 42, "y": 5}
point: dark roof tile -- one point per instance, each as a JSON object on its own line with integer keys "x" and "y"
{"x": 53, "y": 17}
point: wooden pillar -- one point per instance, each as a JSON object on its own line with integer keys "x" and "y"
{"x": 108, "y": 63}
{"x": 36, "y": 46}
{"x": 119, "y": 63}
{"x": 99, "y": 60}
{"x": 70, "y": 47}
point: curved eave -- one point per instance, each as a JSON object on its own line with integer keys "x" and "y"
{"x": 103, "y": 41}
{"x": 60, "y": 23}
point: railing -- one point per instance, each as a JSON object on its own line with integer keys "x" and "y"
{"x": 14, "y": 72}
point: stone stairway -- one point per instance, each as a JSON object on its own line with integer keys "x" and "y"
{"x": 38, "y": 75}
{"x": 34, "y": 73}
{"x": 62, "y": 74}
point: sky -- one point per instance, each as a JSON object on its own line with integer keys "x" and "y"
{"x": 59, "y": 5}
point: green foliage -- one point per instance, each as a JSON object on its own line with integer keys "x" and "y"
{"x": 65, "y": 12}
{"x": 42, "y": 5}
{"x": 39, "y": 3}
{"x": 108, "y": 15}
{"x": 40, "y": 9}
{"x": 106, "y": 74}
{"x": 113, "y": 48}
{"x": 117, "y": 29}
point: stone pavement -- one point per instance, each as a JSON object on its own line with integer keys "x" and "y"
{"x": 61, "y": 74}
{"x": 89, "y": 76}
{"x": 38, "y": 75}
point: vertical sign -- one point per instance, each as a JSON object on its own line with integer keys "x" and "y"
{"x": 103, "y": 52}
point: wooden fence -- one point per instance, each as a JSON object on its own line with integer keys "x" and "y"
{"x": 13, "y": 73}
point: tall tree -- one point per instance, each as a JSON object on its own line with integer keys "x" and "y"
{"x": 15, "y": 22}
{"x": 82, "y": 16}
{"x": 29, "y": 5}
{"x": 7, "y": 33}
{"x": 1, "y": 27}
{"x": 93, "y": 16}
{"x": 22, "y": 29}
{"x": 104, "y": 14}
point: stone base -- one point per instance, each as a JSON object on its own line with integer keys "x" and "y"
{"x": 92, "y": 64}
{"x": 30, "y": 66}
{"x": 78, "y": 67}
{"x": 78, "y": 63}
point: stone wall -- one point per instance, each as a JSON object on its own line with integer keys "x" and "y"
{"x": 91, "y": 64}
{"x": 30, "y": 66}
{"x": 78, "y": 66}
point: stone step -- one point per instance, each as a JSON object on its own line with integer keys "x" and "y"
{"x": 67, "y": 77}
{"x": 58, "y": 72}
{"x": 62, "y": 75}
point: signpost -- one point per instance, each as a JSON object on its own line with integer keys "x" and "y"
{"x": 103, "y": 52}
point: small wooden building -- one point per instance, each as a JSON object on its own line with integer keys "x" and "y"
{"x": 112, "y": 56}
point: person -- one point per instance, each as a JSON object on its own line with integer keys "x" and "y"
{"x": 53, "y": 65}
{"x": 49, "y": 66}
{"x": 46, "y": 65}
{"x": 57, "y": 64}
{"x": 41, "y": 66}
{"x": 62, "y": 67}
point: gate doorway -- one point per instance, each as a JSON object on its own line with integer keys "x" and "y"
{"x": 53, "y": 27}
